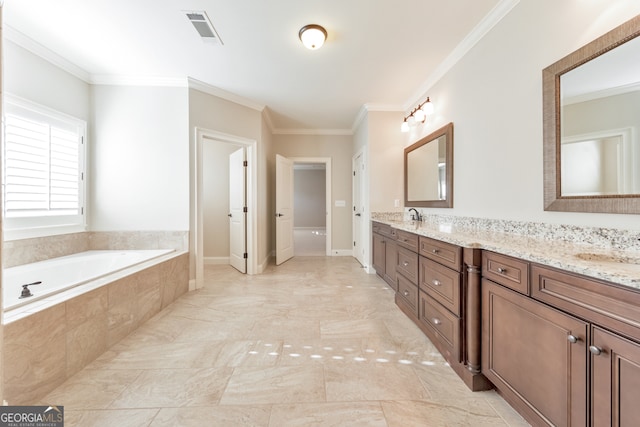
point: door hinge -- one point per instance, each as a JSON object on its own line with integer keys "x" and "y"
{"x": 245, "y": 210}
{"x": 354, "y": 173}
{"x": 245, "y": 255}
{"x": 354, "y": 243}
{"x": 245, "y": 163}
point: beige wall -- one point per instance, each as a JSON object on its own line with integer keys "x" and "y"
{"x": 339, "y": 149}
{"x": 309, "y": 198}
{"x": 386, "y": 161}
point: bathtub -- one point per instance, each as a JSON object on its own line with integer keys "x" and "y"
{"x": 86, "y": 303}
{"x": 58, "y": 275}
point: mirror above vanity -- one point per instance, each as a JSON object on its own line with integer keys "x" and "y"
{"x": 591, "y": 102}
{"x": 428, "y": 170}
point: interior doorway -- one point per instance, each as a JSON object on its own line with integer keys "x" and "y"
{"x": 232, "y": 142}
{"x": 310, "y": 209}
{"x": 312, "y": 235}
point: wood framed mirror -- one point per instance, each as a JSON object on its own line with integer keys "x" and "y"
{"x": 428, "y": 170}
{"x": 591, "y": 101}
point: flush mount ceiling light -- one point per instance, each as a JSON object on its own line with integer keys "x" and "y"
{"x": 312, "y": 36}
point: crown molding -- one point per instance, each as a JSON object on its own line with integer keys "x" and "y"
{"x": 362, "y": 112}
{"x": 221, "y": 93}
{"x": 11, "y": 34}
{"x": 334, "y": 132}
{"x": 479, "y": 31}
{"x": 124, "y": 80}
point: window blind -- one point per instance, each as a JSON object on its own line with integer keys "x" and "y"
{"x": 42, "y": 168}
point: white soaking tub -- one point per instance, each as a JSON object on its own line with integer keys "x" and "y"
{"x": 57, "y": 275}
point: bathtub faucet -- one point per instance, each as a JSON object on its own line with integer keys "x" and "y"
{"x": 25, "y": 290}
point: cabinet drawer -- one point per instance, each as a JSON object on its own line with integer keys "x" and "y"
{"x": 383, "y": 229}
{"x": 442, "y": 283}
{"x": 444, "y": 325}
{"x": 407, "y": 264}
{"x": 444, "y": 253}
{"x": 407, "y": 240}
{"x": 408, "y": 292}
{"x": 608, "y": 305}
{"x": 506, "y": 271}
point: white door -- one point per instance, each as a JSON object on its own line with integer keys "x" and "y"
{"x": 358, "y": 209}
{"x": 284, "y": 209}
{"x": 237, "y": 211}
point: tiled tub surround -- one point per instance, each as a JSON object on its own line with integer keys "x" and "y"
{"x": 26, "y": 251}
{"x": 48, "y": 342}
{"x": 602, "y": 253}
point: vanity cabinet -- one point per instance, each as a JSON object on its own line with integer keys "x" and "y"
{"x": 407, "y": 294}
{"x": 562, "y": 348}
{"x": 440, "y": 295}
{"x": 438, "y": 288}
{"x": 385, "y": 252}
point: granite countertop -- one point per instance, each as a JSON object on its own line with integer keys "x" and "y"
{"x": 613, "y": 265}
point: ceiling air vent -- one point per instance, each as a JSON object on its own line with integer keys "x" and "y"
{"x": 203, "y": 26}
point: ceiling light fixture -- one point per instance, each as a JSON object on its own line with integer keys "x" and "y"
{"x": 312, "y": 36}
{"x": 417, "y": 115}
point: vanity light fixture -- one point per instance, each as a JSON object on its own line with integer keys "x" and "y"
{"x": 312, "y": 36}
{"x": 417, "y": 115}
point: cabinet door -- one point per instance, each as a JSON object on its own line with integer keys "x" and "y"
{"x": 615, "y": 380}
{"x": 391, "y": 251}
{"x": 379, "y": 260}
{"x": 536, "y": 356}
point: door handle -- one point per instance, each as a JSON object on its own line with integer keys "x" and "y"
{"x": 358, "y": 214}
{"x": 279, "y": 214}
{"x": 229, "y": 215}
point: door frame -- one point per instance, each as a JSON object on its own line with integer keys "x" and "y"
{"x": 327, "y": 164}
{"x": 203, "y": 135}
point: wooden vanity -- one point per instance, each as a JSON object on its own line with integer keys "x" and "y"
{"x": 562, "y": 348}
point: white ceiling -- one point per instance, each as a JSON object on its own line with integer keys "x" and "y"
{"x": 381, "y": 53}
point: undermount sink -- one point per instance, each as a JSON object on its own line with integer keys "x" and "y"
{"x": 623, "y": 259}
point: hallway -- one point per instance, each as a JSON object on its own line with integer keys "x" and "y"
{"x": 313, "y": 342}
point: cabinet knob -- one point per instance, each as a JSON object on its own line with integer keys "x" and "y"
{"x": 436, "y": 283}
{"x": 405, "y": 263}
{"x": 405, "y": 293}
{"x": 573, "y": 339}
{"x": 502, "y": 270}
{"x": 436, "y": 321}
{"x": 435, "y": 251}
{"x": 595, "y": 350}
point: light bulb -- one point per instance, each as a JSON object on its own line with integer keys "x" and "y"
{"x": 427, "y": 108}
{"x": 404, "y": 127}
{"x": 411, "y": 121}
{"x": 312, "y": 36}
{"x": 420, "y": 116}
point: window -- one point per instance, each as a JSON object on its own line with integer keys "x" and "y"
{"x": 43, "y": 171}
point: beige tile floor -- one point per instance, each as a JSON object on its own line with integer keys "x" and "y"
{"x": 308, "y": 242}
{"x": 313, "y": 342}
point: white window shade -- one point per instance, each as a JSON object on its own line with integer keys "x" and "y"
{"x": 43, "y": 168}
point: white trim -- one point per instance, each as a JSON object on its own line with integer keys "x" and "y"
{"x": 124, "y": 80}
{"x": 11, "y": 34}
{"x": 344, "y": 132}
{"x": 479, "y": 31}
{"x": 221, "y": 93}
{"x": 328, "y": 181}
{"x": 252, "y": 199}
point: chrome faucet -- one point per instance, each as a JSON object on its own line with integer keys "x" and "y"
{"x": 417, "y": 216}
{"x": 26, "y": 292}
